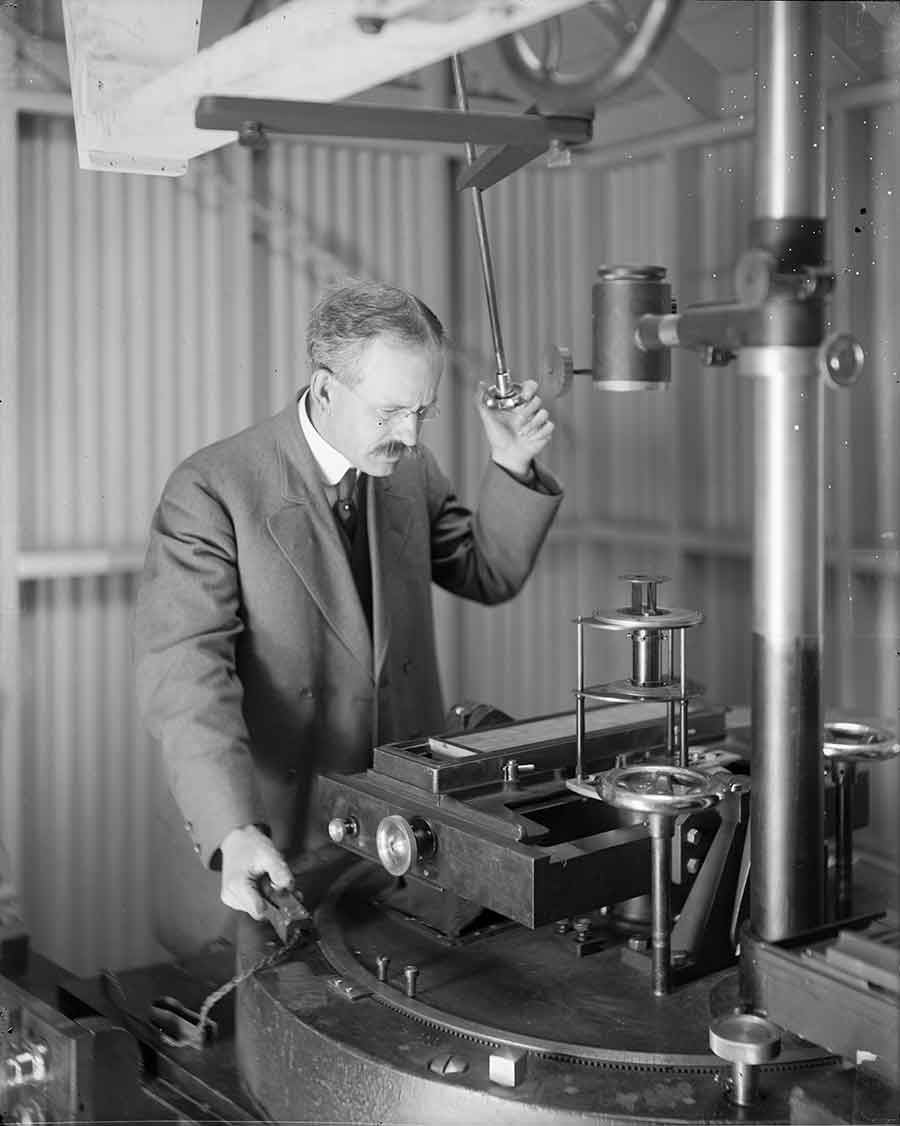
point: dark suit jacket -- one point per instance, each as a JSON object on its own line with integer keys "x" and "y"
{"x": 255, "y": 665}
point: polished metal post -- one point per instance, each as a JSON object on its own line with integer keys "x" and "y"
{"x": 787, "y": 876}
{"x": 844, "y": 776}
{"x": 579, "y": 705}
{"x": 683, "y": 719}
{"x": 660, "y": 827}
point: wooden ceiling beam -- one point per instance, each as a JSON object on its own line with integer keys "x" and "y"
{"x": 137, "y": 72}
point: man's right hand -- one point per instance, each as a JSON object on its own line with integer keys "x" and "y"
{"x": 247, "y": 854}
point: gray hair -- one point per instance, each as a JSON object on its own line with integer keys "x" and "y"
{"x": 352, "y": 313}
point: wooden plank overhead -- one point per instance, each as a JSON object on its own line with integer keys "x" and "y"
{"x": 137, "y": 71}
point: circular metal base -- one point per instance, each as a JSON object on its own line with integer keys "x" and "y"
{"x": 582, "y": 1038}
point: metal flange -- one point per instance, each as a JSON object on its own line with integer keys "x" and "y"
{"x": 624, "y": 619}
{"x": 856, "y": 741}
{"x": 658, "y": 788}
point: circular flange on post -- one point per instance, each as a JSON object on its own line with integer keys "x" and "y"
{"x": 626, "y": 619}
{"x": 857, "y": 741}
{"x": 625, "y": 690}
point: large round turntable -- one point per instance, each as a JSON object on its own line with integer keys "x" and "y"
{"x": 504, "y": 1024}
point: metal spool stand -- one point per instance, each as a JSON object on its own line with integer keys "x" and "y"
{"x": 654, "y": 633}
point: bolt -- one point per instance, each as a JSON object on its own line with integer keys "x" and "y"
{"x": 252, "y": 135}
{"x": 692, "y": 836}
{"x": 562, "y": 926}
{"x": 448, "y": 1064}
{"x": 559, "y": 155}
{"x": 370, "y": 25}
{"x": 382, "y": 963}
{"x": 693, "y": 866}
{"x": 411, "y": 973}
{"x": 638, "y": 943}
{"x": 581, "y": 926}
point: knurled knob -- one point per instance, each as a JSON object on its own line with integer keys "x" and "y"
{"x": 339, "y": 828}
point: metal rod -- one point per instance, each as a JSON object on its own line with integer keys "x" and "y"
{"x": 487, "y": 267}
{"x": 844, "y": 775}
{"x": 660, "y": 878}
{"x": 579, "y": 704}
{"x": 683, "y": 729}
{"x": 787, "y": 874}
{"x": 670, "y": 709}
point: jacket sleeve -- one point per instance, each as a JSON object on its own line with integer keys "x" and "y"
{"x": 187, "y": 622}
{"x": 487, "y": 555}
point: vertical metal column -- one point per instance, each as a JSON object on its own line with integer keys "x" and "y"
{"x": 787, "y": 876}
{"x": 11, "y": 755}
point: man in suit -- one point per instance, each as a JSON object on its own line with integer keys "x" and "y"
{"x": 284, "y": 617}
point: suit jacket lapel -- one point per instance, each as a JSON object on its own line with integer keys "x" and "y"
{"x": 389, "y": 515}
{"x": 306, "y": 533}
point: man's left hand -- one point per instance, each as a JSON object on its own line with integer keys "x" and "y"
{"x": 517, "y": 435}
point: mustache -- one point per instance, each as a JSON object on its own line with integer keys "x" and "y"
{"x": 397, "y": 449}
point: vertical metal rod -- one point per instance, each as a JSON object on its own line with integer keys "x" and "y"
{"x": 844, "y": 775}
{"x": 670, "y": 708}
{"x": 683, "y": 728}
{"x": 487, "y": 267}
{"x": 660, "y": 879}
{"x": 787, "y": 814}
{"x": 579, "y": 705}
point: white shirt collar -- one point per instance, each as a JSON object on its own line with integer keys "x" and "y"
{"x": 332, "y": 462}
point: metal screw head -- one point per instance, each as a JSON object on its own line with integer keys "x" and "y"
{"x": 581, "y": 926}
{"x": 562, "y": 926}
{"x": 693, "y": 866}
{"x": 370, "y": 25}
{"x": 559, "y": 155}
{"x": 692, "y": 836}
{"x": 638, "y": 943}
{"x": 339, "y": 828}
{"x": 448, "y": 1064}
{"x": 252, "y": 135}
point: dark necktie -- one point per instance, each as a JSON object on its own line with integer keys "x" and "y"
{"x": 352, "y": 522}
{"x": 345, "y": 505}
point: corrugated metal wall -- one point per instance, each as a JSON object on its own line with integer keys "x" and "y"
{"x": 134, "y": 350}
{"x": 156, "y": 316}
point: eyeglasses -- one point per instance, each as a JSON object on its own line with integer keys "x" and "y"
{"x": 387, "y": 416}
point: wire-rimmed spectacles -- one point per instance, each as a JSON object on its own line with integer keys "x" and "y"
{"x": 388, "y": 416}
